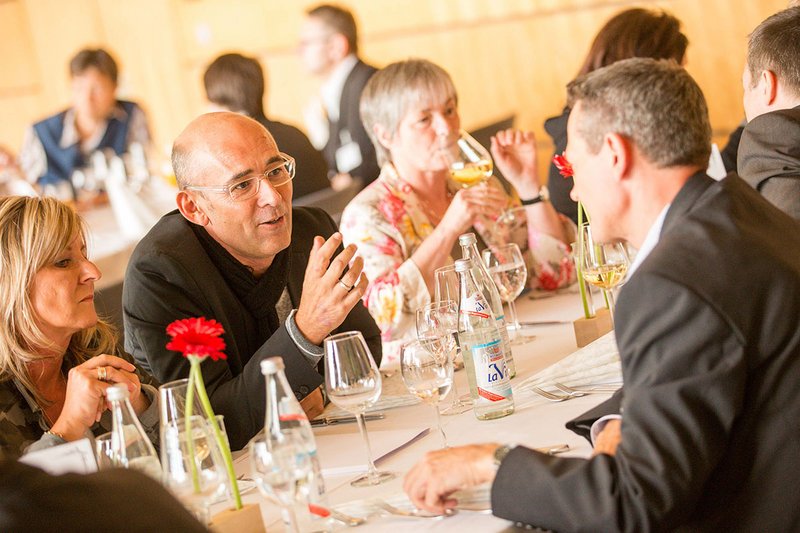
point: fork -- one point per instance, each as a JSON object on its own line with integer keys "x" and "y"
{"x": 582, "y": 391}
{"x": 551, "y": 396}
{"x": 573, "y": 393}
{"x": 416, "y": 513}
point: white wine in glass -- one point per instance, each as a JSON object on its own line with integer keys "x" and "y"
{"x": 428, "y": 375}
{"x": 353, "y": 383}
{"x": 470, "y": 163}
{"x": 603, "y": 265}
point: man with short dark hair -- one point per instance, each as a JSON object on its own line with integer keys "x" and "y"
{"x": 57, "y": 146}
{"x": 769, "y": 153}
{"x": 706, "y": 327}
{"x": 329, "y": 49}
{"x": 275, "y": 277}
{"x": 236, "y": 83}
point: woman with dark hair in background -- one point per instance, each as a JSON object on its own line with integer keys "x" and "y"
{"x": 631, "y": 33}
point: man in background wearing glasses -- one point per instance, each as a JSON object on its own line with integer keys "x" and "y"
{"x": 236, "y": 251}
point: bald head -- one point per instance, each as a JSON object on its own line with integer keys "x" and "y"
{"x": 209, "y": 139}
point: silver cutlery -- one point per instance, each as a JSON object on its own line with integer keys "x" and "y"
{"x": 332, "y": 420}
{"x": 416, "y": 513}
{"x": 588, "y": 389}
{"x": 346, "y": 519}
{"x": 550, "y": 395}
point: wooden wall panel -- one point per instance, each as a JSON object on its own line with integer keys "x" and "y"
{"x": 506, "y": 56}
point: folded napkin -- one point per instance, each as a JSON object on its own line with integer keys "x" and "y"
{"x": 594, "y": 364}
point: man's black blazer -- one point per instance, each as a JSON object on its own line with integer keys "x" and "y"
{"x": 170, "y": 277}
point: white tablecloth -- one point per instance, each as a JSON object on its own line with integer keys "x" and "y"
{"x": 535, "y": 423}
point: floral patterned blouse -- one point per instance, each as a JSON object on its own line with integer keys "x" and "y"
{"x": 387, "y": 222}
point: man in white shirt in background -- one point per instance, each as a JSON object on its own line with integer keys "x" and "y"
{"x": 328, "y": 48}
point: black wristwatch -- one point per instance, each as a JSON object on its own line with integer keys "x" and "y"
{"x": 544, "y": 196}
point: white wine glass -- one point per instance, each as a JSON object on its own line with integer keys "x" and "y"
{"x": 437, "y": 326}
{"x": 194, "y": 473}
{"x": 353, "y": 383}
{"x": 604, "y": 264}
{"x": 507, "y": 268}
{"x": 428, "y": 374}
{"x": 469, "y": 162}
{"x": 279, "y": 469}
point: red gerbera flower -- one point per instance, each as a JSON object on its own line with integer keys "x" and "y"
{"x": 564, "y": 167}
{"x": 197, "y": 337}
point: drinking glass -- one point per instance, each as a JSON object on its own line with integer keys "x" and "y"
{"x": 193, "y": 469}
{"x": 507, "y": 268}
{"x": 604, "y": 264}
{"x": 103, "y": 451}
{"x": 470, "y": 163}
{"x": 428, "y": 374}
{"x": 279, "y": 468}
{"x": 353, "y": 383}
{"x": 437, "y": 326}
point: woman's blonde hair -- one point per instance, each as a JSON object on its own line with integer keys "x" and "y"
{"x": 33, "y": 231}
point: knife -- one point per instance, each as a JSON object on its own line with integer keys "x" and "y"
{"x": 331, "y": 420}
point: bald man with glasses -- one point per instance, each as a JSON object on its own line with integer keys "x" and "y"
{"x": 235, "y": 250}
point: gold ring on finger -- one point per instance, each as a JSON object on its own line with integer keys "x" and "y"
{"x": 102, "y": 373}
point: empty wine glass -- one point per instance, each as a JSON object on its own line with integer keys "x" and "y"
{"x": 353, "y": 383}
{"x": 428, "y": 374}
{"x": 470, "y": 163}
{"x": 193, "y": 471}
{"x": 437, "y": 327}
{"x": 507, "y": 268}
{"x": 604, "y": 264}
{"x": 279, "y": 469}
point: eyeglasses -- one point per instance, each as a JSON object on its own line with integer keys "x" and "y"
{"x": 279, "y": 173}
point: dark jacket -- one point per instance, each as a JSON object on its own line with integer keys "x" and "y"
{"x": 710, "y": 351}
{"x": 312, "y": 170}
{"x": 112, "y": 500}
{"x": 769, "y": 158}
{"x": 559, "y": 186}
{"x": 350, "y": 121}
{"x": 170, "y": 277}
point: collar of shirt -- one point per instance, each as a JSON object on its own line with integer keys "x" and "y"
{"x": 650, "y": 241}
{"x": 331, "y": 90}
{"x": 70, "y": 135}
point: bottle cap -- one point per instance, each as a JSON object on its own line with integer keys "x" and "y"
{"x": 463, "y": 265}
{"x": 117, "y": 393}
{"x": 271, "y": 365}
{"x": 466, "y": 239}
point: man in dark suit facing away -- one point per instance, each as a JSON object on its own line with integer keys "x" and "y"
{"x": 706, "y": 328}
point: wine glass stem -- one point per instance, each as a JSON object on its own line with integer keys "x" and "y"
{"x": 512, "y": 310}
{"x": 362, "y": 427}
{"x": 456, "y": 395}
{"x": 439, "y": 424}
{"x": 290, "y": 518}
{"x": 609, "y": 295}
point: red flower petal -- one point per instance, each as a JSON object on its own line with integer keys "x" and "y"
{"x": 197, "y": 337}
{"x": 564, "y": 167}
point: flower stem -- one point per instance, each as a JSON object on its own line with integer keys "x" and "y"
{"x": 221, "y": 441}
{"x": 187, "y": 426}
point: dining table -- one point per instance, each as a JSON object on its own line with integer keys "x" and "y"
{"x": 408, "y": 431}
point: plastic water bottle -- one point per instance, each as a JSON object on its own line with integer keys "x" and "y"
{"x": 481, "y": 345}
{"x": 130, "y": 447}
{"x": 469, "y": 250}
{"x": 286, "y": 418}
